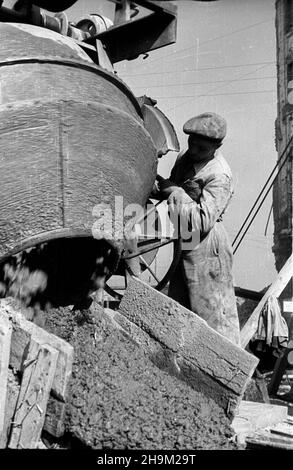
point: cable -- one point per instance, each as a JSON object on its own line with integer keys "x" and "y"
{"x": 218, "y": 94}
{"x": 269, "y": 216}
{"x": 262, "y": 191}
{"x": 173, "y": 108}
{"x": 216, "y": 88}
{"x": 207, "y": 83}
{"x": 199, "y": 69}
{"x": 210, "y": 40}
{"x": 261, "y": 203}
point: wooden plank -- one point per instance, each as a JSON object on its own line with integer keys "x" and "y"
{"x": 252, "y": 416}
{"x": 275, "y": 290}
{"x": 285, "y": 429}
{"x": 11, "y": 401}
{"x": 36, "y": 384}
{"x": 54, "y": 420}
{"x": 22, "y": 332}
{"x": 205, "y": 359}
{"x": 247, "y": 294}
{"x": 267, "y": 440}
{"x": 287, "y": 405}
{"x": 5, "y": 341}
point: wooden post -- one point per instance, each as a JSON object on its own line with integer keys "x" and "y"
{"x": 5, "y": 341}
{"x": 37, "y": 380}
{"x": 275, "y": 290}
{"x": 279, "y": 370}
{"x": 10, "y": 406}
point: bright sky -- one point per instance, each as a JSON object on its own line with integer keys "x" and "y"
{"x": 223, "y": 61}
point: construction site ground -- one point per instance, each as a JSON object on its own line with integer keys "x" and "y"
{"x": 119, "y": 399}
{"x": 117, "y": 394}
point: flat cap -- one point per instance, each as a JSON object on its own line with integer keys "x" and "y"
{"x": 208, "y": 125}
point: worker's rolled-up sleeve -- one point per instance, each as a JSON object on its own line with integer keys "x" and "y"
{"x": 202, "y": 215}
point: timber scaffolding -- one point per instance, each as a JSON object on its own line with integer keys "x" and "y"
{"x": 175, "y": 339}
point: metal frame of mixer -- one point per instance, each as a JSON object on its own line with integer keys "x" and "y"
{"x": 125, "y": 38}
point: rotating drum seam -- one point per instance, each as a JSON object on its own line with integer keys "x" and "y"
{"x": 77, "y": 64}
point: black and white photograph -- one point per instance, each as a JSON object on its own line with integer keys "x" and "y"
{"x": 146, "y": 293}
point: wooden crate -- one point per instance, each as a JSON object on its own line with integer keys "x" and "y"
{"x": 44, "y": 364}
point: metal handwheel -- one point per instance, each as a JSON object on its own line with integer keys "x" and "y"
{"x": 148, "y": 247}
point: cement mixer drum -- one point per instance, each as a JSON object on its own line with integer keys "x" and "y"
{"x": 72, "y": 137}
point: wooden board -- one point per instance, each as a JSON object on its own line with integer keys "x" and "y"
{"x": 11, "y": 401}
{"x": 286, "y": 404}
{"x": 54, "y": 420}
{"x": 5, "y": 341}
{"x": 37, "y": 380}
{"x": 23, "y": 331}
{"x": 205, "y": 359}
{"x": 252, "y": 416}
{"x": 275, "y": 289}
{"x": 267, "y": 440}
{"x": 283, "y": 429}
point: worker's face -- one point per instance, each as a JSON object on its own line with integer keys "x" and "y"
{"x": 200, "y": 149}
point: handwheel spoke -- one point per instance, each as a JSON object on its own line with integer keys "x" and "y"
{"x": 152, "y": 238}
{"x": 147, "y": 250}
{"x": 140, "y": 260}
{"x": 148, "y": 268}
{"x": 160, "y": 283}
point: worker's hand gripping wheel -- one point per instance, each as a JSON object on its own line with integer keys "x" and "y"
{"x": 141, "y": 249}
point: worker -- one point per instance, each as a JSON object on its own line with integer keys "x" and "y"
{"x": 200, "y": 188}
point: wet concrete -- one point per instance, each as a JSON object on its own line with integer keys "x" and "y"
{"x": 118, "y": 399}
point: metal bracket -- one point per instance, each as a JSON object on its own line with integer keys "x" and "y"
{"x": 129, "y": 39}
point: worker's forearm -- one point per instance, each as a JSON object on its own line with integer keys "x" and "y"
{"x": 202, "y": 215}
{"x": 166, "y": 192}
{"x": 162, "y": 188}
